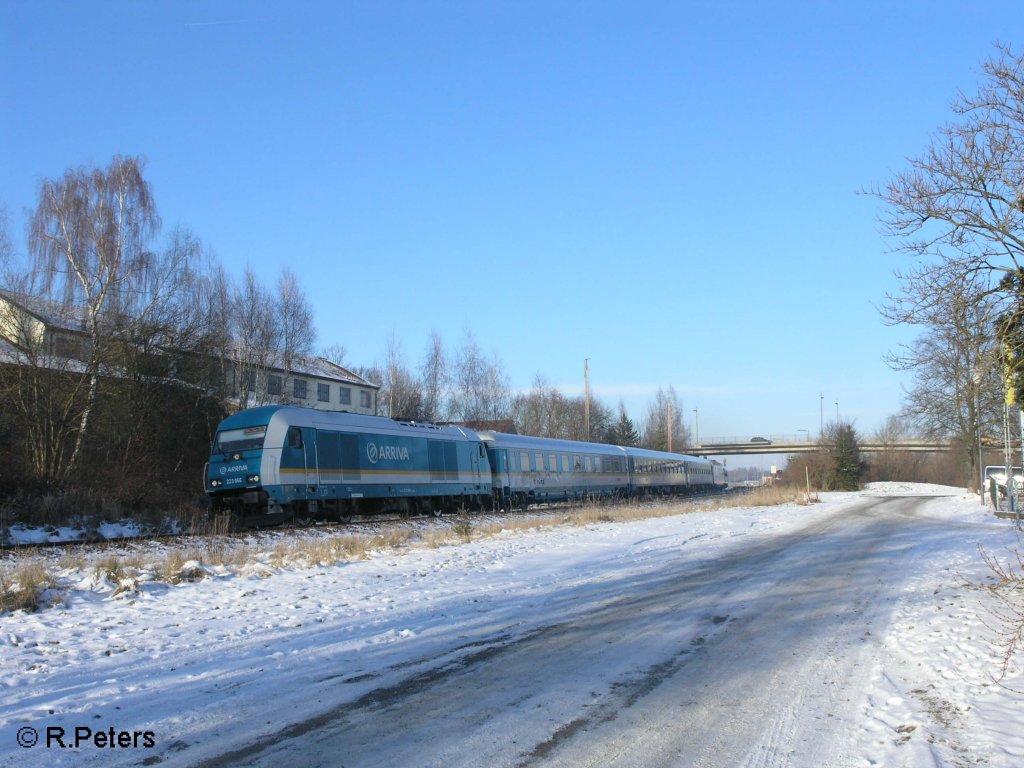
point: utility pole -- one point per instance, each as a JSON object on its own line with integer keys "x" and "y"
{"x": 586, "y": 397}
{"x": 821, "y": 418}
{"x": 696, "y": 428}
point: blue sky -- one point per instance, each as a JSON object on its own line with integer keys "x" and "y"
{"x": 667, "y": 189}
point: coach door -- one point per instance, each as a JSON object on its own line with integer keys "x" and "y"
{"x": 298, "y": 459}
{"x": 479, "y": 452}
{"x": 301, "y": 450}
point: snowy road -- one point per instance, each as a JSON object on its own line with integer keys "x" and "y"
{"x": 836, "y": 634}
{"x": 751, "y": 658}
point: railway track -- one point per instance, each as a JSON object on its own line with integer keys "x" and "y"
{"x": 56, "y": 548}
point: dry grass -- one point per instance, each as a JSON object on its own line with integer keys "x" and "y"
{"x": 22, "y": 588}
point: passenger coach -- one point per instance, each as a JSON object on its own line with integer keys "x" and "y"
{"x": 660, "y": 473}
{"x": 526, "y": 470}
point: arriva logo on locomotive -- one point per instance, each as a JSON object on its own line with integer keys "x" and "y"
{"x": 387, "y": 452}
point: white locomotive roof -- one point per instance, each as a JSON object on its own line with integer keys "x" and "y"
{"x": 340, "y": 420}
{"x": 527, "y": 442}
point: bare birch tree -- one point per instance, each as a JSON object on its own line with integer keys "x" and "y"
{"x": 6, "y": 250}
{"x": 256, "y": 335}
{"x": 434, "y": 380}
{"x": 336, "y": 353}
{"x": 400, "y": 391}
{"x": 88, "y": 243}
{"x": 544, "y": 411}
{"x": 298, "y": 333}
{"x": 480, "y": 389}
{"x": 664, "y": 429}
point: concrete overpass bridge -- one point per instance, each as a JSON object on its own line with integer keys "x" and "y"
{"x": 790, "y": 445}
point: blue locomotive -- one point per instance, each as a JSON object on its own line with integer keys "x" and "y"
{"x": 282, "y": 461}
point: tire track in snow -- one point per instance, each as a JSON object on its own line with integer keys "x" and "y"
{"x": 745, "y": 658}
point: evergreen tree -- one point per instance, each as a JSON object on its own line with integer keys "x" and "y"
{"x": 624, "y": 431}
{"x": 846, "y": 458}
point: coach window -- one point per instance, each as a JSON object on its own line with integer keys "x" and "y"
{"x": 538, "y": 462}
{"x": 576, "y": 463}
{"x": 299, "y": 388}
{"x": 524, "y": 461}
{"x": 565, "y": 463}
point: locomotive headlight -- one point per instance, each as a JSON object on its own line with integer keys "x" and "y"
{"x": 252, "y": 479}
{"x": 216, "y": 483}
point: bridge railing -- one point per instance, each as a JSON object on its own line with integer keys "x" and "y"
{"x": 757, "y": 438}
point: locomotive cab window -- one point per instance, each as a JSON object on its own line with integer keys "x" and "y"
{"x": 294, "y": 437}
{"x": 231, "y": 440}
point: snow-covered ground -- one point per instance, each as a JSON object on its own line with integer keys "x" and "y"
{"x": 277, "y": 664}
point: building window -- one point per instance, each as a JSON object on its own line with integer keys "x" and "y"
{"x": 274, "y": 384}
{"x": 66, "y": 347}
{"x": 299, "y": 388}
{"x": 323, "y": 393}
{"x": 345, "y": 395}
{"x": 364, "y": 398}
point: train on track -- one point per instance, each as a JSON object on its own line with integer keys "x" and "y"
{"x": 276, "y": 462}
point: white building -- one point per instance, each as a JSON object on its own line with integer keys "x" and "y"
{"x": 59, "y": 335}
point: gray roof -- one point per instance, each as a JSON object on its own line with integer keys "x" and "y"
{"x": 52, "y": 313}
{"x": 56, "y": 315}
